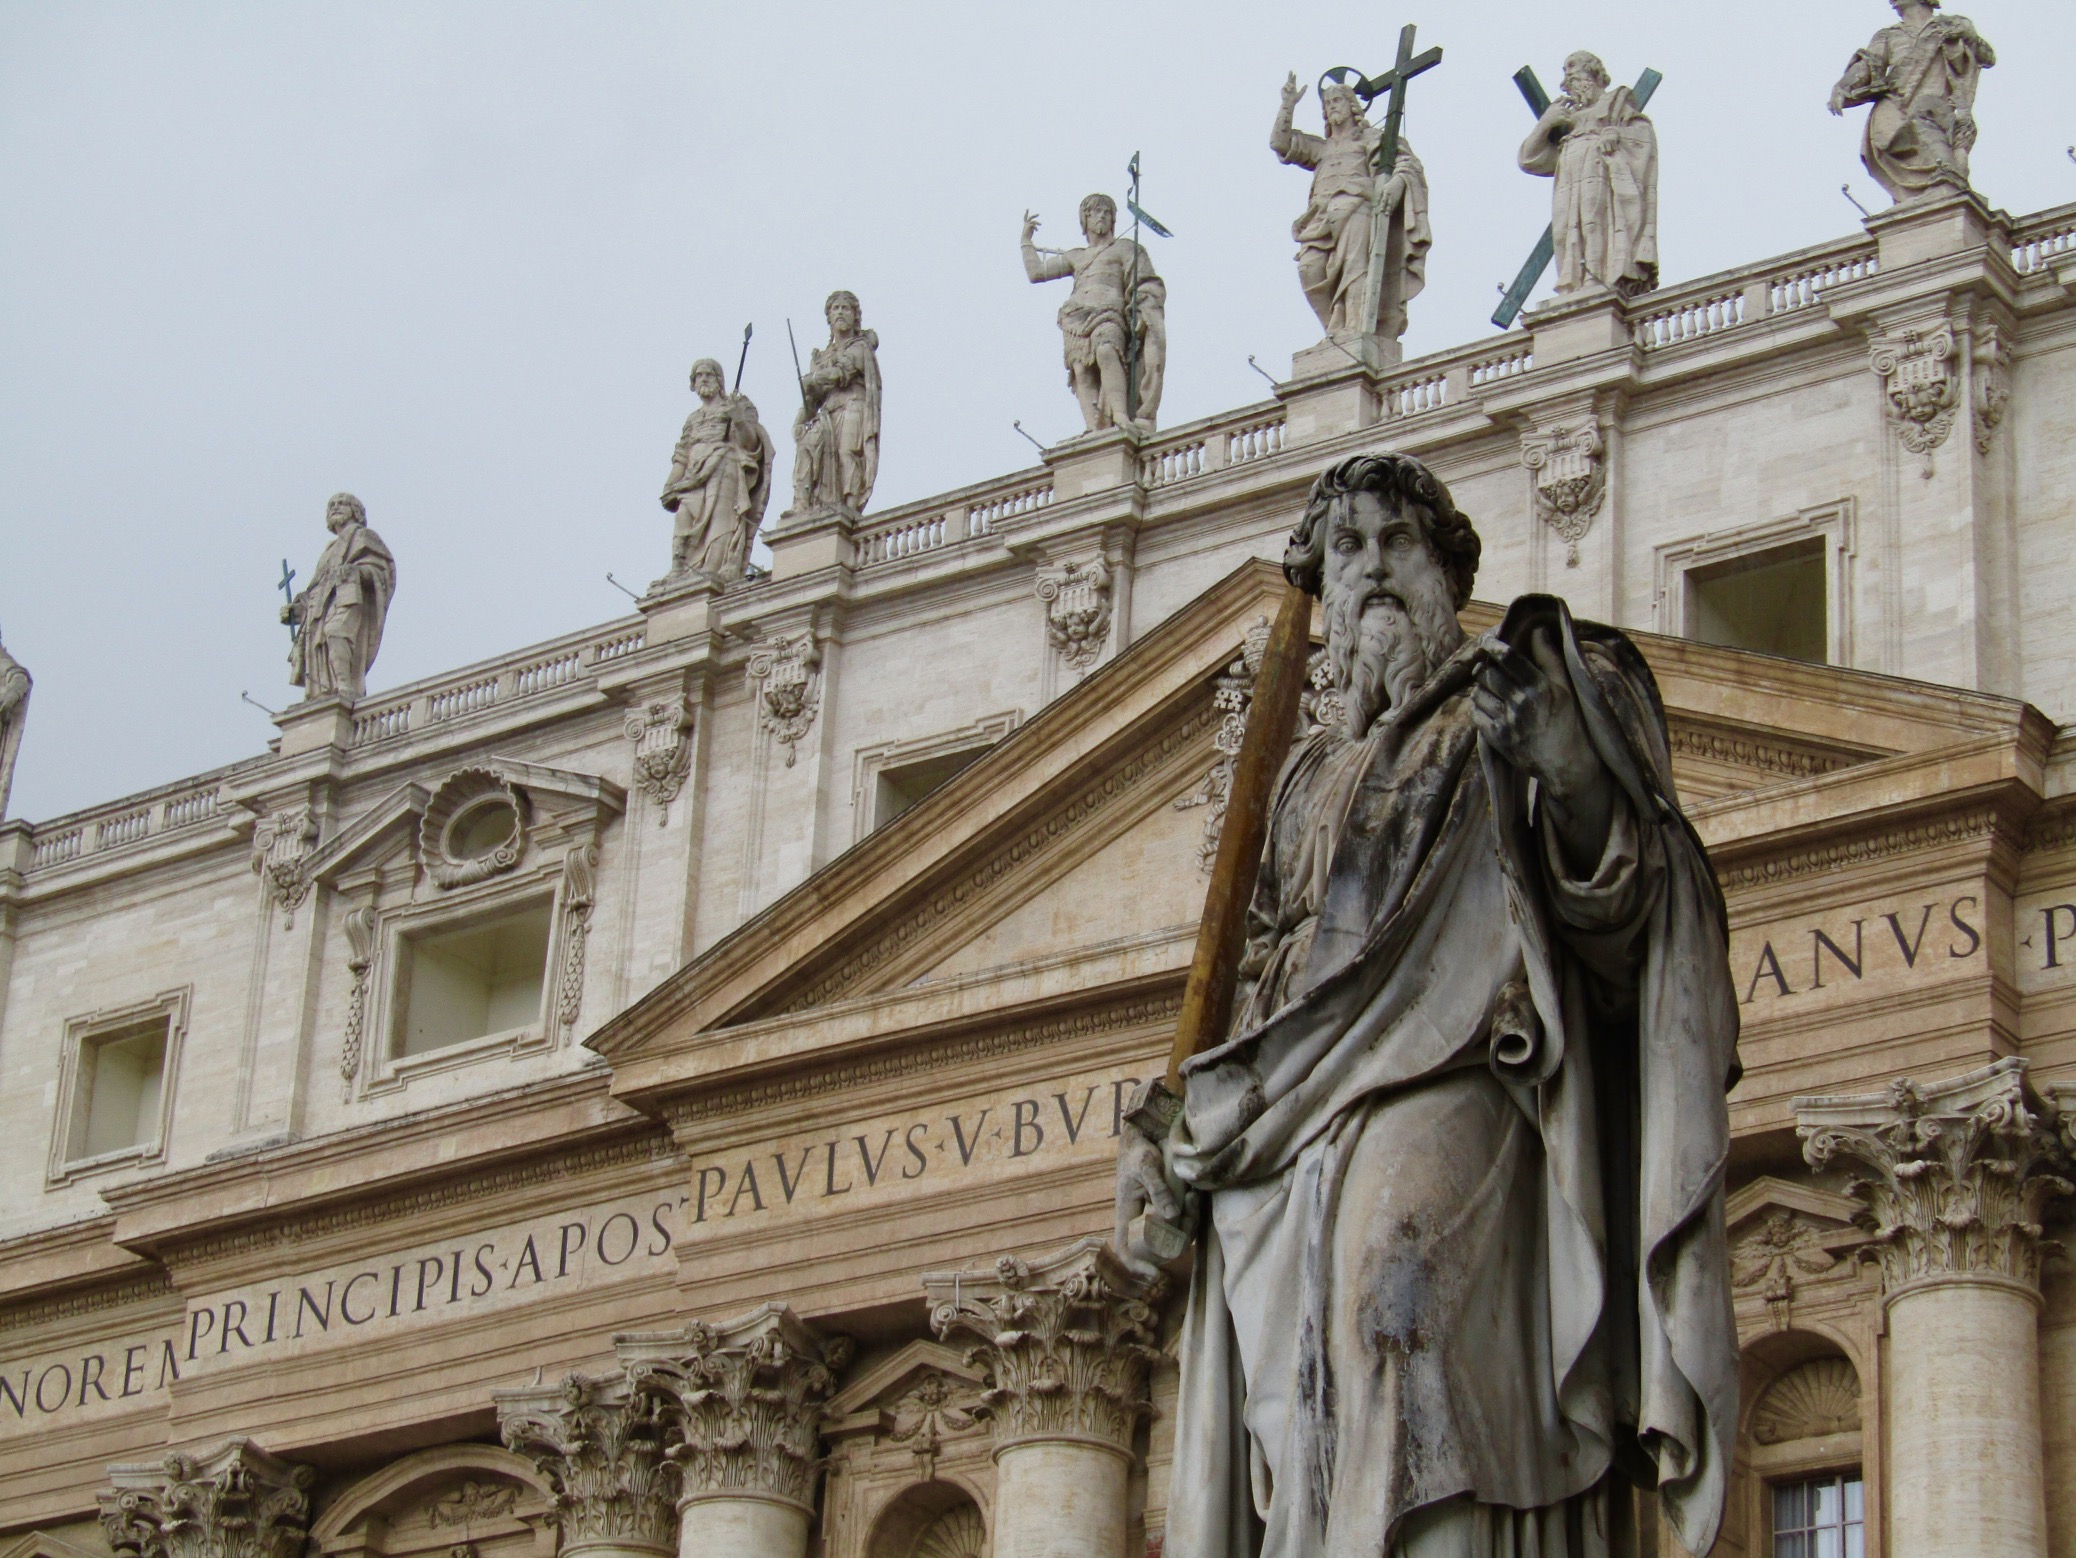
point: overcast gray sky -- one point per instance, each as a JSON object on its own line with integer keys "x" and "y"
{"x": 457, "y": 258}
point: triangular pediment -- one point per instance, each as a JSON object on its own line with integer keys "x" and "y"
{"x": 566, "y": 802}
{"x": 1068, "y": 861}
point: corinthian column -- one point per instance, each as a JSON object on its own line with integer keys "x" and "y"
{"x": 1956, "y": 1176}
{"x": 1066, "y": 1341}
{"x": 600, "y": 1448}
{"x": 235, "y": 1502}
{"x": 742, "y": 1405}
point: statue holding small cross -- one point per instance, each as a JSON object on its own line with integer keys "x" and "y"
{"x": 1364, "y": 235}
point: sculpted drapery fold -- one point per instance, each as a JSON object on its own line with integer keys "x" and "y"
{"x": 1458, "y": 1172}
{"x": 1920, "y": 76}
{"x": 1603, "y": 154}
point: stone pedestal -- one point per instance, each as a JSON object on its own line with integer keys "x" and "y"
{"x": 1958, "y": 1175}
{"x": 1583, "y": 325}
{"x": 1936, "y": 226}
{"x": 1067, "y": 1341}
{"x": 743, "y": 1402}
{"x": 235, "y": 1502}
{"x": 600, "y": 1448}
{"x": 1092, "y": 463}
{"x": 314, "y": 724}
{"x": 1346, "y": 349}
{"x": 679, "y": 608}
{"x": 811, "y": 540}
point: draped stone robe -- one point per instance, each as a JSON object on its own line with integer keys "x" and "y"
{"x": 346, "y": 604}
{"x": 1922, "y": 84}
{"x": 836, "y": 462}
{"x": 1604, "y": 210}
{"x": 1468, "y": 1090}
{"x": 1335, "y": 232}
{"x": 719, "y": 485}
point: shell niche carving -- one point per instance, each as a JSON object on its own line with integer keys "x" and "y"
{"x": 957, "y": 1533}
{"x": 1812, "y": 1402}
{"x": 473, "y": 828}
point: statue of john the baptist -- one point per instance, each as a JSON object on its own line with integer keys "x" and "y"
{"x": 1457, "y": 1172}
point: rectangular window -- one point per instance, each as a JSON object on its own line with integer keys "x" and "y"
{"x": 473, "y": 981}
{"x": 900, "y": 788}
{"x": 1771, "y": 601}
{"x": 116, "y": 1073}
{"x": 122, "y": 1077}
{"x": 1824, "y": 1517}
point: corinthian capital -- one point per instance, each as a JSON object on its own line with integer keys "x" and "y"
{"x": 235, "y": 1502}
{"x": 1066, "y": 1341}
{"x": 1956, "y": 1176}
{"x": 600, "y": 1447}
{"x": 741, "y": 1402}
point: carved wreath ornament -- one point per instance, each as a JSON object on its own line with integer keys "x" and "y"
{"x": 473, "y": 829}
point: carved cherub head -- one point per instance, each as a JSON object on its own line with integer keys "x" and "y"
{"x": 708, "y": 379}
{"x": 344, "y": 509}
{"x": 1098, "y": 217}
{"x": 1585, "y": 78}
{"x": 842, "y": 312}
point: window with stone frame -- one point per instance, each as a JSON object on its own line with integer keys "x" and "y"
{"x": 899, "y": 789}
{"x": 482, "y": 978}
{"x": 115, "y": 1087}
{"x": 1782, "y": 587}
{"x": 1820, "y": 1517}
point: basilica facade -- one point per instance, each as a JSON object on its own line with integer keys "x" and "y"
{"x": 657, "y": 1092}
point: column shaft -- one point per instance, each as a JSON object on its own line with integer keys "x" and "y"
{"x": 1963, "y": 1412}
{"x": 1059, "y": 1499}
{"x": 741, "y": 1528}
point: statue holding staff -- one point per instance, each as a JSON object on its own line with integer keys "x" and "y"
{"x": 837, "y": 429}
{"x": 14, "y": 713}
{"x": 1455, "y": 1165}
{"x": 1115, "y": 316}
{"x": 720, "y": 480}
{"x": 1920, "y": 76}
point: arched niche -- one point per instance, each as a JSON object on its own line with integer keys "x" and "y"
{"x": 930, "y": 1520}
{"x": 1800, "y": 1416}
{"x": 454, "y": 1501}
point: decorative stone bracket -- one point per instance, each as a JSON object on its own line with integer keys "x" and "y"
{"x": 1077, "y": 600}
{"x": 661, "y": 731}
{"x": 1569, "y": 468}
{"x": 1066, "y": 1342}
{"x": 235, "y": 1502}
{"x": 602, "y": 1450}
{"x": 789, "y": 689}
{"x": 1920, "y": 388}
{"x": 1992, "y": 384}
{"x": 741, "y": 1402}
{"x": 280, "y": 844}
{"x": 1958, "y": 1173}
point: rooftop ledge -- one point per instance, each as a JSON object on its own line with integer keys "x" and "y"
{"x": 1672, "y": 323}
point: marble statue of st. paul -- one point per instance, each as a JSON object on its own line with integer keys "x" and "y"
{"x": 1457, "y": 1172}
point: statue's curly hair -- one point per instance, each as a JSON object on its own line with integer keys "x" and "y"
{"x": 1403, "y": 483}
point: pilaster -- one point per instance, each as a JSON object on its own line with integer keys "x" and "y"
{"x": 601, "y": 1449}
{"x": 235, "y": 1502}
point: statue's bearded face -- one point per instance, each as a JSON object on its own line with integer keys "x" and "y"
{"x": 1388, "y": 605}
{"x": 1098, "y": 220}
{"x": 1585, "y": 78}
{"x": 1338, "y": 104}
{"x": 706, "y": 383}
{"x": 843, "y": 316}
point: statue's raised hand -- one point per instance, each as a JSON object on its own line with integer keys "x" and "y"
{"x": 1292, "y": 90}
{"x": 1030, "y": 225}
{"x": 1524, "y": 707}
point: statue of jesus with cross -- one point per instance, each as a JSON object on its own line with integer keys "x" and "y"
{"x": 1364, "y": 235}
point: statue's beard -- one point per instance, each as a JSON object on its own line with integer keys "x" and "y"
{"x": 1383, "y": 646}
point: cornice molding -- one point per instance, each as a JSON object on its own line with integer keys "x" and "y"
{"x": 991, "y": 1043}
{"x": 136, "y": 1290}
{"x": 1964, "y": 827}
